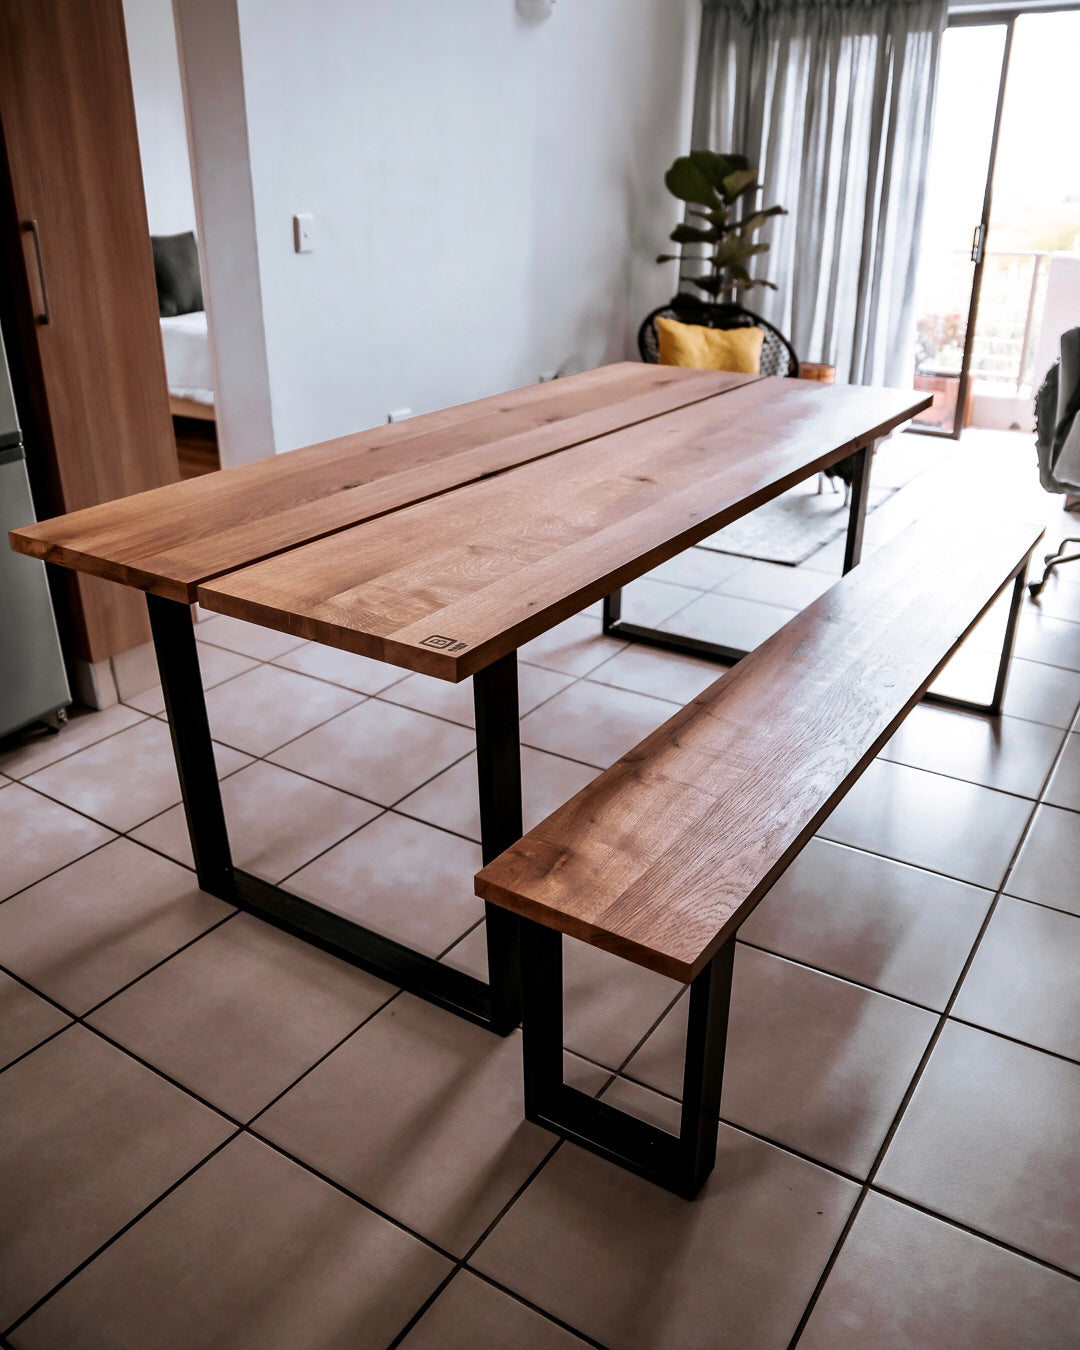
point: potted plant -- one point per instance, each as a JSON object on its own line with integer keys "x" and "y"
{"x": 713, "y": 186}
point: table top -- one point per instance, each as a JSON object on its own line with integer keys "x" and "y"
{"x": 171, "y": 538}
{"x": 443, "y": 543}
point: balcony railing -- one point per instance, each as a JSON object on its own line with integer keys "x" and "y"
{"x": 1011, "y": 303}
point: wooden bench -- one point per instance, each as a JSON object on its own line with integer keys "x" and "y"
{"x": 661, "y": 858}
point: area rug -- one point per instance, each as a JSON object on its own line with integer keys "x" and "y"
{"x": 792, "y": 526}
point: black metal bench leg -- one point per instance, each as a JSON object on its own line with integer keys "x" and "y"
{"x": 680, "y": 1163}
{"x": 1009, "y": 644}
{"x": 498, "y": 771}
{"x": 997, "y": 701}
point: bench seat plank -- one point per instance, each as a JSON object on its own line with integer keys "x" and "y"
{"x": 664, "y": 855}
{"x": 449, "y": 585}
{"x": 171, "y": 538}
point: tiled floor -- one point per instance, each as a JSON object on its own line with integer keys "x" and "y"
{"x": 212, "y": 1135}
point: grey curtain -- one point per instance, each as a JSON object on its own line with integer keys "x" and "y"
{"x": 833, "y": 102}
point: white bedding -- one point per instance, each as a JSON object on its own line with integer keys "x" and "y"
{"x": 187, "y": 357}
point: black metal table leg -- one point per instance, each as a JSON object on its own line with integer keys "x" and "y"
{"x": 498, "y": 769}
{"x": 680, "y": 1163}
{"x": 193, "y": 749}
{"x": 614, "y": 626}
{"x": 860, "y": 495}
{"x": 493, "y": 1005}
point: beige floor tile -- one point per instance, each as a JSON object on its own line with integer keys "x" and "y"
{"x": 1006, "y": 753}
{"x": 1023, "y": 979}
{"x": 277, "y": 821}
{"x": 249, "y": 639}
{"x": 251, "y": 1252}
{"x": 960, "y": 829}
{"x": 812, "y": 1062}
{"x": 593, "y": 723}
{"x": 377, "y": 751}
{"x": 126, "y": 779}
{"x": 84, "y": 932}
{"x": 267, "y": 706}
{"x": 647, "y": 670}
{"x": 637, "y": 1268}
{"x": 36, "y": 749}
{"x": 359, "y": 673}
{"x": 25, "y": 1019}
{"x": 242, "y": 1013}
{"x": 608, "y": 1004}
{"x": 904, "y": 1279}
{"x": 698, "y": 567}
{"x": 881, "y": 923}
{"x": 1061, "y": 598}
{"x": 470, "y": 1314}
{"x": 90, "y": 1138}
{"x": 1049, "y": 862}
{"x": 729, "y": 621}
{"x": 420, "y": 1113}
{"x": 1054, "y": 642}
{"x": 450, "y": 800}
{"x": 989, "y": 1139}
{"x": 40, "y": 836}
{"x": 573, "y": 647}
{"x": 217, "y": 665}
{"x": 648, "y": 601}
{"x": 769, "y": 583}
{"x": 455, "y": 701}
{"x": 403, "y": 878}
{"x": 1064, "y": 789}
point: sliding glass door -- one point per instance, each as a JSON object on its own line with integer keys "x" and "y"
{"x": 956, "y": 220}
{"x": 1002, "y": 206}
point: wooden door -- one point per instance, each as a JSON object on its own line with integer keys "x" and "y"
{"x": 96, "y": 408}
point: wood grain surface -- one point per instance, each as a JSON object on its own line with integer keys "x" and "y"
{"x": 450, "y": 584}
{"x": 170, "y": 539}
{"x": 663, "y": 856}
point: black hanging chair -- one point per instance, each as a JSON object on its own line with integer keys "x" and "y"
{"x": 777, "y": 354}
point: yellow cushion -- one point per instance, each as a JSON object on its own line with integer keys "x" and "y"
{"x": 688, "y": 344}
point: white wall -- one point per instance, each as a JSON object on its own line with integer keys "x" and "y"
{"x": 208, "y": 39}
{"x": 159, "y": 112}
{"x": 488, "y": 193}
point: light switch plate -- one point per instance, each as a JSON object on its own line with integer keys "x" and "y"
{"x": 304, "y": 232}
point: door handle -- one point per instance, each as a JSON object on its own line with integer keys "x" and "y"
{"x": 977, "y": 243}
{"x": 31, "y": 227}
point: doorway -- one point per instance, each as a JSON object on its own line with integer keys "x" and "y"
{"x": 1002, "y": 218}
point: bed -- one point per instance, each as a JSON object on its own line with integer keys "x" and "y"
{"x": 186, "y": 343}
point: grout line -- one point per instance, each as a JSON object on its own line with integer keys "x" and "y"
{"x": 975, "y": 1232}
{"x": 24, "y": 1316}
{"x": 913, "y": 1085}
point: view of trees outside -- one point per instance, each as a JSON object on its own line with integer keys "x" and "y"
{"x": 1036, "y": 202}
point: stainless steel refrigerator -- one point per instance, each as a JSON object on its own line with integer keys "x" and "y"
{"x": 33, "y": 683}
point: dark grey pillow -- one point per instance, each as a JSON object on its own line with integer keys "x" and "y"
{"x": 176, "y": 270}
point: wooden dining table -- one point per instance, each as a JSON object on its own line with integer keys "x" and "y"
{"x": 441, "y": 545}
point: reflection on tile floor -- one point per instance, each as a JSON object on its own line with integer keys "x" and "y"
{"x": 218, "y": 1136}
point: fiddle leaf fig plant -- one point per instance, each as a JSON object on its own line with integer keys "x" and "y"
{"x": 716, "y": 187}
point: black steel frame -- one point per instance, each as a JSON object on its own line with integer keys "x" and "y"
{"x": 495, "y": 1004}
{"x": 614, "y": 626}
{"x": 678, "y": 1162}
